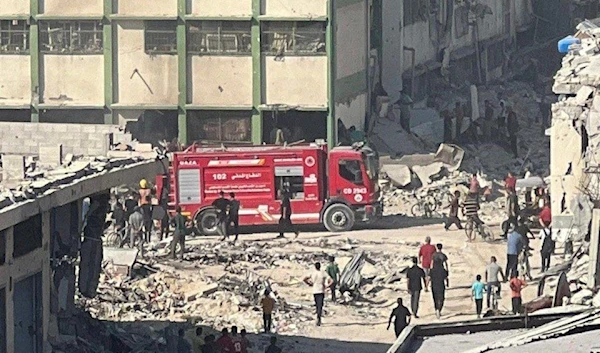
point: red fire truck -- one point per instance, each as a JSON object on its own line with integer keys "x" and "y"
{"x": 337, "y": 188}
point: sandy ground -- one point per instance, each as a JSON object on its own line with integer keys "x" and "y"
{"x": 366, "y": 321}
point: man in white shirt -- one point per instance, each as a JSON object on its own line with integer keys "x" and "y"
{"x": 319, "y": 281}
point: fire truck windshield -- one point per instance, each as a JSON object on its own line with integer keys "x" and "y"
{"x": 371, "y": 164}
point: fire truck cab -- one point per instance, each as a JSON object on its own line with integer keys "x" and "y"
{"x": 337, "y": 188}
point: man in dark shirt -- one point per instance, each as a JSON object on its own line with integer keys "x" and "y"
{"x": 183, "y": 346}
{"x": 233, "y": 220}
{"x": 221, "y": 204}
{"x": 130, "y": 204}
{"x": 147, "y": 213}
{"x": 224, "y": 343}
{"x": 512, "y": 126}
{"x": 402, "y": 318}
{"x": 415, "y": 276}
{"x": 209, "y": 345}
{"x": 285, "y": 221}
{"x": 118, "y": 216}
{"x": 179, "y": 234}
{"x": 453, "y": 216}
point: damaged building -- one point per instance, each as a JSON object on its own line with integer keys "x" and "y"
{"x": 575, "y": 122}
{"x": 429, "y": 45}
{"x": 199, "y": 70}
{"x": 51, "y": 221}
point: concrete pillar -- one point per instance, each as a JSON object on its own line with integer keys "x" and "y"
{"x": 46, "y": 280}
{"x": 594, "y": 265}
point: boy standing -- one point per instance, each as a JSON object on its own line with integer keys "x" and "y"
{"x": 477, "y": 292}
{"x": 268, "y": 304}
{"x": 516, "y": 285}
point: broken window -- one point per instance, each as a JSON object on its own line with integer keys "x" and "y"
{"x": 14, "y": 37}
{"x": 219, "y": 37}
{"x": 27, "y": 236}
{"x": 351, "y": 171}
{"x": 160, "y": 37}
{"x": 414, "y": 11}
{"x": 222, "y": 126}
{"x": 71, "y": 37}
{"x": 461, "y": 21}
{"x": 293, "y": 38}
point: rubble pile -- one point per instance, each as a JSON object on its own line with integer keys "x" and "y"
{"x": 228, "y": 289}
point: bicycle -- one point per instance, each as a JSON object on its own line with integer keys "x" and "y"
{"x": 495, "y": 288}
{"x": 475, "y": 226}
{"x": 425, "y": 205}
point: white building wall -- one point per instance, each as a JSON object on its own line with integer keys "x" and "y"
{"x": 71, "y": 7}
{"x": 221, "y": 80}
{"x": 143, "y": 78}
{"x": 351, "y": 39}
{"x": 296, "y": 81}
{"x": 167, "y": 8}
{"x": 295, "y": 8}
{"x": 221, "y": 8}
{"x": 73, "y": 79}
{"x": 14, "y": 7}
{"x": 15, "y": 80}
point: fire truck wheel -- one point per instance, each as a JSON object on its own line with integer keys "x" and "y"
{"x": 338, "y": 218}
{"x": 206, "y": 223}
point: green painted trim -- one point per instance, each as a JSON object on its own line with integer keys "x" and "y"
{"x": 15, "y": 17}
{"x": 217, "y": 18}
{"x": 343, "y": 3}
{"x": 350, "y": 86}
{"x": 257, "y": 84}
{"x": 331, "y": 66}
{"x": 285, "y": 108}
{"x": 47, "y": 106}
{"x": 289, "y": 19}
{"x": 182, "y": 76}
{"x": 44, "y": 17}
{"x": 15, "y": 106}
{"x": 125, "y": 106}
{"x": 205, "y": 107}
{"x": 34, "y": 50}
{"x": 116, "y": 17}
{"x": 107, "y": 37}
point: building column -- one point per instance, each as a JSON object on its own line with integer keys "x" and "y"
{"x": 331, "y": 75}
{"x": 107, "y": 38}
{"x": 46, "y": 279}
{"x": 182, "y": 71}
{"x": 10, "y": 288}
{"x": 594, "y": 265}
{"x": 34, "y": 50}
{"x": 257, "y": 123}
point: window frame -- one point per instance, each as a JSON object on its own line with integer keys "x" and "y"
{"x": 342, "y": 163}
{"x": 221, "y": 118}
{"x": 68, "y": 32}
{"x": 156, "y": 31}
{"x": 195, "y": 48}
{"x": 8, "y": 33}
{"x": 265, "y": 32}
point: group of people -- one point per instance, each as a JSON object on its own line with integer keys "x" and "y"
{"x": 228, "y": 215}
{"x": 228, "y": 342}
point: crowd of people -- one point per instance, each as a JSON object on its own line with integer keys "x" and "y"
{"x": 232, "y": 341}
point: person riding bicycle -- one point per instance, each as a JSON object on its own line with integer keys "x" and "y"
{"x": 471, "y": 209}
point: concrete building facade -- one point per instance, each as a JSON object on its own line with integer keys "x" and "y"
{"x": 458, "y": 41}
{"x": 226, "y": 71}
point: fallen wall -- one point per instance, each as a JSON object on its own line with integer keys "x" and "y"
{"x": 85, "y": 139}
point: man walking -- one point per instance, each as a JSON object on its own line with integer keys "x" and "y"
{"x": 402, "y": 318}
{"x": 425, "y": 255}
{"x": 233, "y": 218}
{"x": 333, "y": 271}
{"x": 285, "y": 221}
{"x": 477, "y": 294}
{"x": 547, "y": 250}
{"x": 319, "y": 281}
{"x": 268, "y": 304}
{"x": 514, "y": 246}
{"x": 439, "y": 278}
{"x": 453, "y": 215}
{"x": 512, "y": 209}
{"x": 491, "y": 278}
{"x": 221, "y": 204}
{"x": 179, "y": 235}
{"x": 415, "y": 276}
